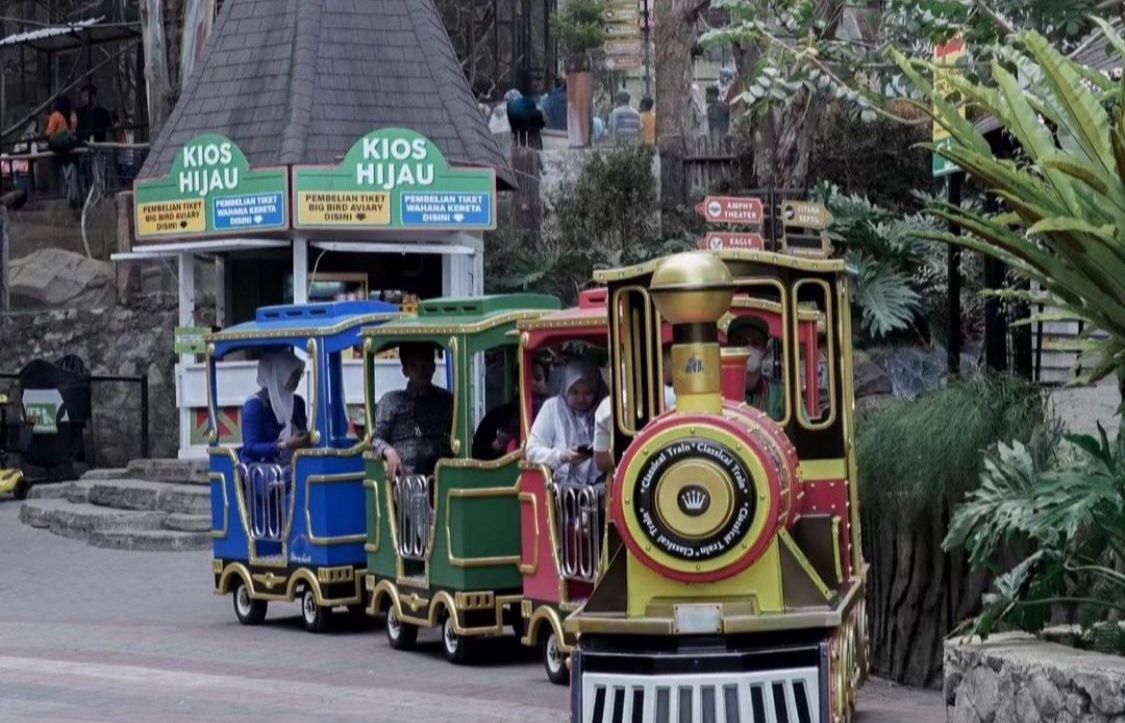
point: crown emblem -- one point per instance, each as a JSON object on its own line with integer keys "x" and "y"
{"x": 694, "y": 500}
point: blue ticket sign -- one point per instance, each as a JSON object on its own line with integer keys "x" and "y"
{"x": 254, "y": 212}
{"x": 447, "y": 210}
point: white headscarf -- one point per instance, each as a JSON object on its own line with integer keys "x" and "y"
{"x": 578, "y": 426}
{"x": 274, "y": 371}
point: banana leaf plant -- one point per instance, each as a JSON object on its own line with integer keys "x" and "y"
{"x": 1064, "y": 190}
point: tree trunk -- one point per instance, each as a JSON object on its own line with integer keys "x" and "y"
{"x": 198, "y": 16}
{"x": 156, "y": 65}
{"x": 784, "y": 137}
{"x": 917, "y": 594}
{"x": 675, "y": 36}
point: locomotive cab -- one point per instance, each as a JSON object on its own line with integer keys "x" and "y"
{"x": 732, "y": 588}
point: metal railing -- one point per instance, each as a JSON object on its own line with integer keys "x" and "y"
{"x": 580, "y": 519}
{"x": 414, "y": 515}
{"x": 265, "y": 489}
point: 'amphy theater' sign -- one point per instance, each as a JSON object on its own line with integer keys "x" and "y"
{"x": 211, "y": 191}
{"x": 395, "y": 179}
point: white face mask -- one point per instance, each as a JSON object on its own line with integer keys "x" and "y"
{"x": 754, "y": 362}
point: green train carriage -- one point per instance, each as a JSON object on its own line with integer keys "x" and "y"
{"x": 444, "y": 549}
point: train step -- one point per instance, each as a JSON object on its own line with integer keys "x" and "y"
{"x": 151, "y": 540}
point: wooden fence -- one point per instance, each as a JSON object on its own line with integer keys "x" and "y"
{"x": 709, "y": 161}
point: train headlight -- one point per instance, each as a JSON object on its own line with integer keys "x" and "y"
{"x": 699, "y": 498}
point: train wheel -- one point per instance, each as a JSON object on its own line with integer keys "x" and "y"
{"x": 400, "y": 635}
{"x": 455, "y": 646}
{"x": 314, "y": 616}
{"x": 554, "y": 660}
{"x": 248, "y": 610}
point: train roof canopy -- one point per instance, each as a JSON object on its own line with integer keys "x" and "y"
{"x": 765, "y": 258}
{"x": 466, "y": 316}
{"x": 339, "y": 323}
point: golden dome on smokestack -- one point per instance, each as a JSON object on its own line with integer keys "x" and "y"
{"x": 692, "y": 288}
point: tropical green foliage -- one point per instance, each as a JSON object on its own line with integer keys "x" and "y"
{"x": 579, "y": 25}
{"x": 1073, "y": 515}
{"x": 1064, "y": 226}
{"x": 916, "y": 456}
{"x": 901, "y": 282}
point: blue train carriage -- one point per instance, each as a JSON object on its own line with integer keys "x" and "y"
{"x": 294, "y": 532}
{"x": 444, "y": 544}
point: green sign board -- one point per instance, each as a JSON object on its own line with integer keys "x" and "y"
{"x": 43, "y": 417}
{"x": 211, "y": 191}
{"x": 191, "y": 339}
{"x": 394, "y": 179}
{"x": 942, "y": 165}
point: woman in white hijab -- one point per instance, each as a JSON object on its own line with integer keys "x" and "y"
{"x": 563, "y": 433}
{"x": 274, "y": 421}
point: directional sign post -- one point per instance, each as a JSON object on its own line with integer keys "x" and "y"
{"x": 395, "y": 179}
{"x": 730, "y": 209}
{"x": 806, "y": 214}
{"x": 211, "y": 190}
{"x": 716, "y": 241}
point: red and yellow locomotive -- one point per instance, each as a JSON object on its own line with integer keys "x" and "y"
{"x": 732, "y": 581}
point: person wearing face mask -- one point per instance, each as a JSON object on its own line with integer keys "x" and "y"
{"x": 762, "y": 392}
{"x": 562, "y": 436}
{"x": 274, "y": 421}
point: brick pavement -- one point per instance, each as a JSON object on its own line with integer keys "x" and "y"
{"x": 89, "y": 634}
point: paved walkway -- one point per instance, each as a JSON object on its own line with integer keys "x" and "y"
{"x": 89, "y": 634}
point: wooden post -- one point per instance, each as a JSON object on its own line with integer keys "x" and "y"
{"x": 5, "y": 300}
{"x": 527, "y": 209}
{"x": 156, "y": 64}
{"x": 953, "y": 267}
{"x": 128, "y": 273}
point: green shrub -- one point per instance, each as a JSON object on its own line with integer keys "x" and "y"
{"x": 580, "y": 25}
{"x": 605, "y": 216}
{"x": 916, "y": 456}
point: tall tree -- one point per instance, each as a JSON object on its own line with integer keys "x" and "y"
{"x": 161, "y": 95}
{"x": 675, "y": 37}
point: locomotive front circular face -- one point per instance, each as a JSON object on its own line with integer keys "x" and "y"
{"x": 694, "y": 500}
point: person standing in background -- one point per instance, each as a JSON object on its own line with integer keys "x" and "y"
{"x": 624, "y": 124}
{"x": 648, "y": 121}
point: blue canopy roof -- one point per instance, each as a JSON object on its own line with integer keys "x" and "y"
{"x": 339, "y": 324}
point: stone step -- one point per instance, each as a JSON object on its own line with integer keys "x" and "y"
{"x": 49, "y": 491}
{"x": 174, "y": 471}
{"x": 151, "y": 540}
{"x": 134, "y": 494}
{"x": 103, "y": 474}
{"x": 79, "y": 521}
{"x": 188, "y": 523}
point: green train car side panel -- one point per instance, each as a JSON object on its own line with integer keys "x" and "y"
{"x": 478, "y": 521}
{"x": 381, "y": 559}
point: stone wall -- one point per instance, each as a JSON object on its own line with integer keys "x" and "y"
{"x": 1015, "y": 678}
{"x": 120, "y": 340}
